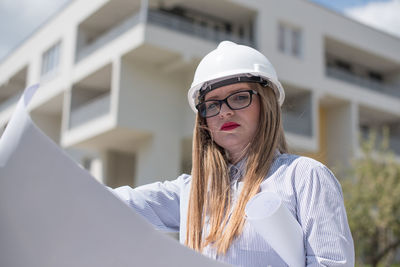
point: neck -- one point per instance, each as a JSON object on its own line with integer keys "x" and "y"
{"x": 235, "y": 155}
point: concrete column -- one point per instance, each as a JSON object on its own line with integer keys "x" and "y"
{"x": 66, "y": 110}
{"x": 144, "y": 7}
{"x": 115, "y": 85}
{"x": 355, "y": 130}
{"x": 103, "y": 170}
{"x": 34, "y": 68}
{"x": 315, "y": 119}
{"x": 158, "y": 159}
{"x": 96, "y": 169}
{"x": 341, "y": 136}
{"x": 118, "y": 167}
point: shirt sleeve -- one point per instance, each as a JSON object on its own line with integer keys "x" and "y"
{"x": 322, "y": 215}
{"x": 158, "y": 203}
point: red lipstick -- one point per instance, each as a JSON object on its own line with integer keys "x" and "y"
{"x": 229, "y": 126}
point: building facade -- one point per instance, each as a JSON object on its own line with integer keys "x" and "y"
{"x": 114, "y": 76}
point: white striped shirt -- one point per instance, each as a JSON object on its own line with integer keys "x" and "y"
{"x": 308, "y": 189}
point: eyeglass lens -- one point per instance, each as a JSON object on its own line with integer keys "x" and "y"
{"x": 235, "y": 101}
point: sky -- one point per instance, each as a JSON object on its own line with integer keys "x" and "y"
{"x": 19, "y": 18}
{"x": 381, "y": 14}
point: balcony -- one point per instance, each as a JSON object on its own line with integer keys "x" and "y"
{"x": 108, "y": 36}
{"x": 4, "y": 105}
{"x": 92, "y": 109}
{"x": 362, "y": 68}
{"x": 184, "y": 25}
{"x": 11, "y": 91}
{"x": 91, "y": 97}
{"x": 106, "y": 25}
{"x": 361, "y": 81}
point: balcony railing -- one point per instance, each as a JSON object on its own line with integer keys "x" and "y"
{"x": 363, "y": 81}
{"x": 162, "y": 19}
{"x": 297, "y": 124}
{"x": 95, "y": 108}
{"x": 110, "y": 35}
{"x": 10, "y": 101}
{"x": 183, "y": 25}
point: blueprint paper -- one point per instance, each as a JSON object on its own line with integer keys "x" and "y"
{"x": 274, "y": 222}
{"x": 54, "y": 213}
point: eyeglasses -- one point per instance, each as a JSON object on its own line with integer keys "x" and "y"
{"x": 235, "y": 101}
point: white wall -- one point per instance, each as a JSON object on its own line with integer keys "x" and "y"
{"x": 152, "y": 102}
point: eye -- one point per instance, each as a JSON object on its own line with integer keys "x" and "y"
{"x": 211, "y": 105}
{"x": 241, "y": 97}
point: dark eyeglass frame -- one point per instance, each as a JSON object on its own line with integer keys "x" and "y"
{"x": 225, "y": 100}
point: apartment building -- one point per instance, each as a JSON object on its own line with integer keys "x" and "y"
{"x": 114, "y": 76}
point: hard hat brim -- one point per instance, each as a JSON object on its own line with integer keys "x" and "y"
{"x": 193, "y": 92}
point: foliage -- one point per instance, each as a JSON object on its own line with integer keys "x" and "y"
{"x": 372, "y": 197}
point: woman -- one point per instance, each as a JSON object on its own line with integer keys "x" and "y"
{"x": 239, "y": 149}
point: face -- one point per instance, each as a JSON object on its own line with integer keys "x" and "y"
{"x": 233, "y": 130}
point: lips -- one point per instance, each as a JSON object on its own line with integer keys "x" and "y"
{"x": 229, "y": 126}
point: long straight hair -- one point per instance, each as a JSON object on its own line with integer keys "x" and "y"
{"x": 210, "y": 195}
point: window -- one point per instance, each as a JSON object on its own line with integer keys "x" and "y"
{"x": 281, "y": 38}
{"x": 51, "y": 59}
{"x": 296, "y": 42}
{"x": 289, "y": 40}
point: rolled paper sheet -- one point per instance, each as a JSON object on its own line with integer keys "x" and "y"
{"x": 275, "y": 223}
{"x": 54, "y": 213}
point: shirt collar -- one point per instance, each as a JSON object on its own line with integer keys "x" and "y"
{"x": 236, "y": 171}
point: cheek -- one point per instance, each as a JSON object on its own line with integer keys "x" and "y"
{"x": 212, "y": 125}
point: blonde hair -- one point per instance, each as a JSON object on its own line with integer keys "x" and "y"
{"x": 210, "y": 194}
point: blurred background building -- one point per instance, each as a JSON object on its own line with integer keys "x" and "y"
{"x": 114, "y": 76}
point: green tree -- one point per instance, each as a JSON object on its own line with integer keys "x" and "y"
{"x": 372, "y": 197}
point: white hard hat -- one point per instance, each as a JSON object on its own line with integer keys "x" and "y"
{"x": 230, "y": 60}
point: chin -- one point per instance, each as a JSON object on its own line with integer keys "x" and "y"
{"x": 228, "y": 144}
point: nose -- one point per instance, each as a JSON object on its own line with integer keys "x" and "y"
{"x": 225, "y": 111}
